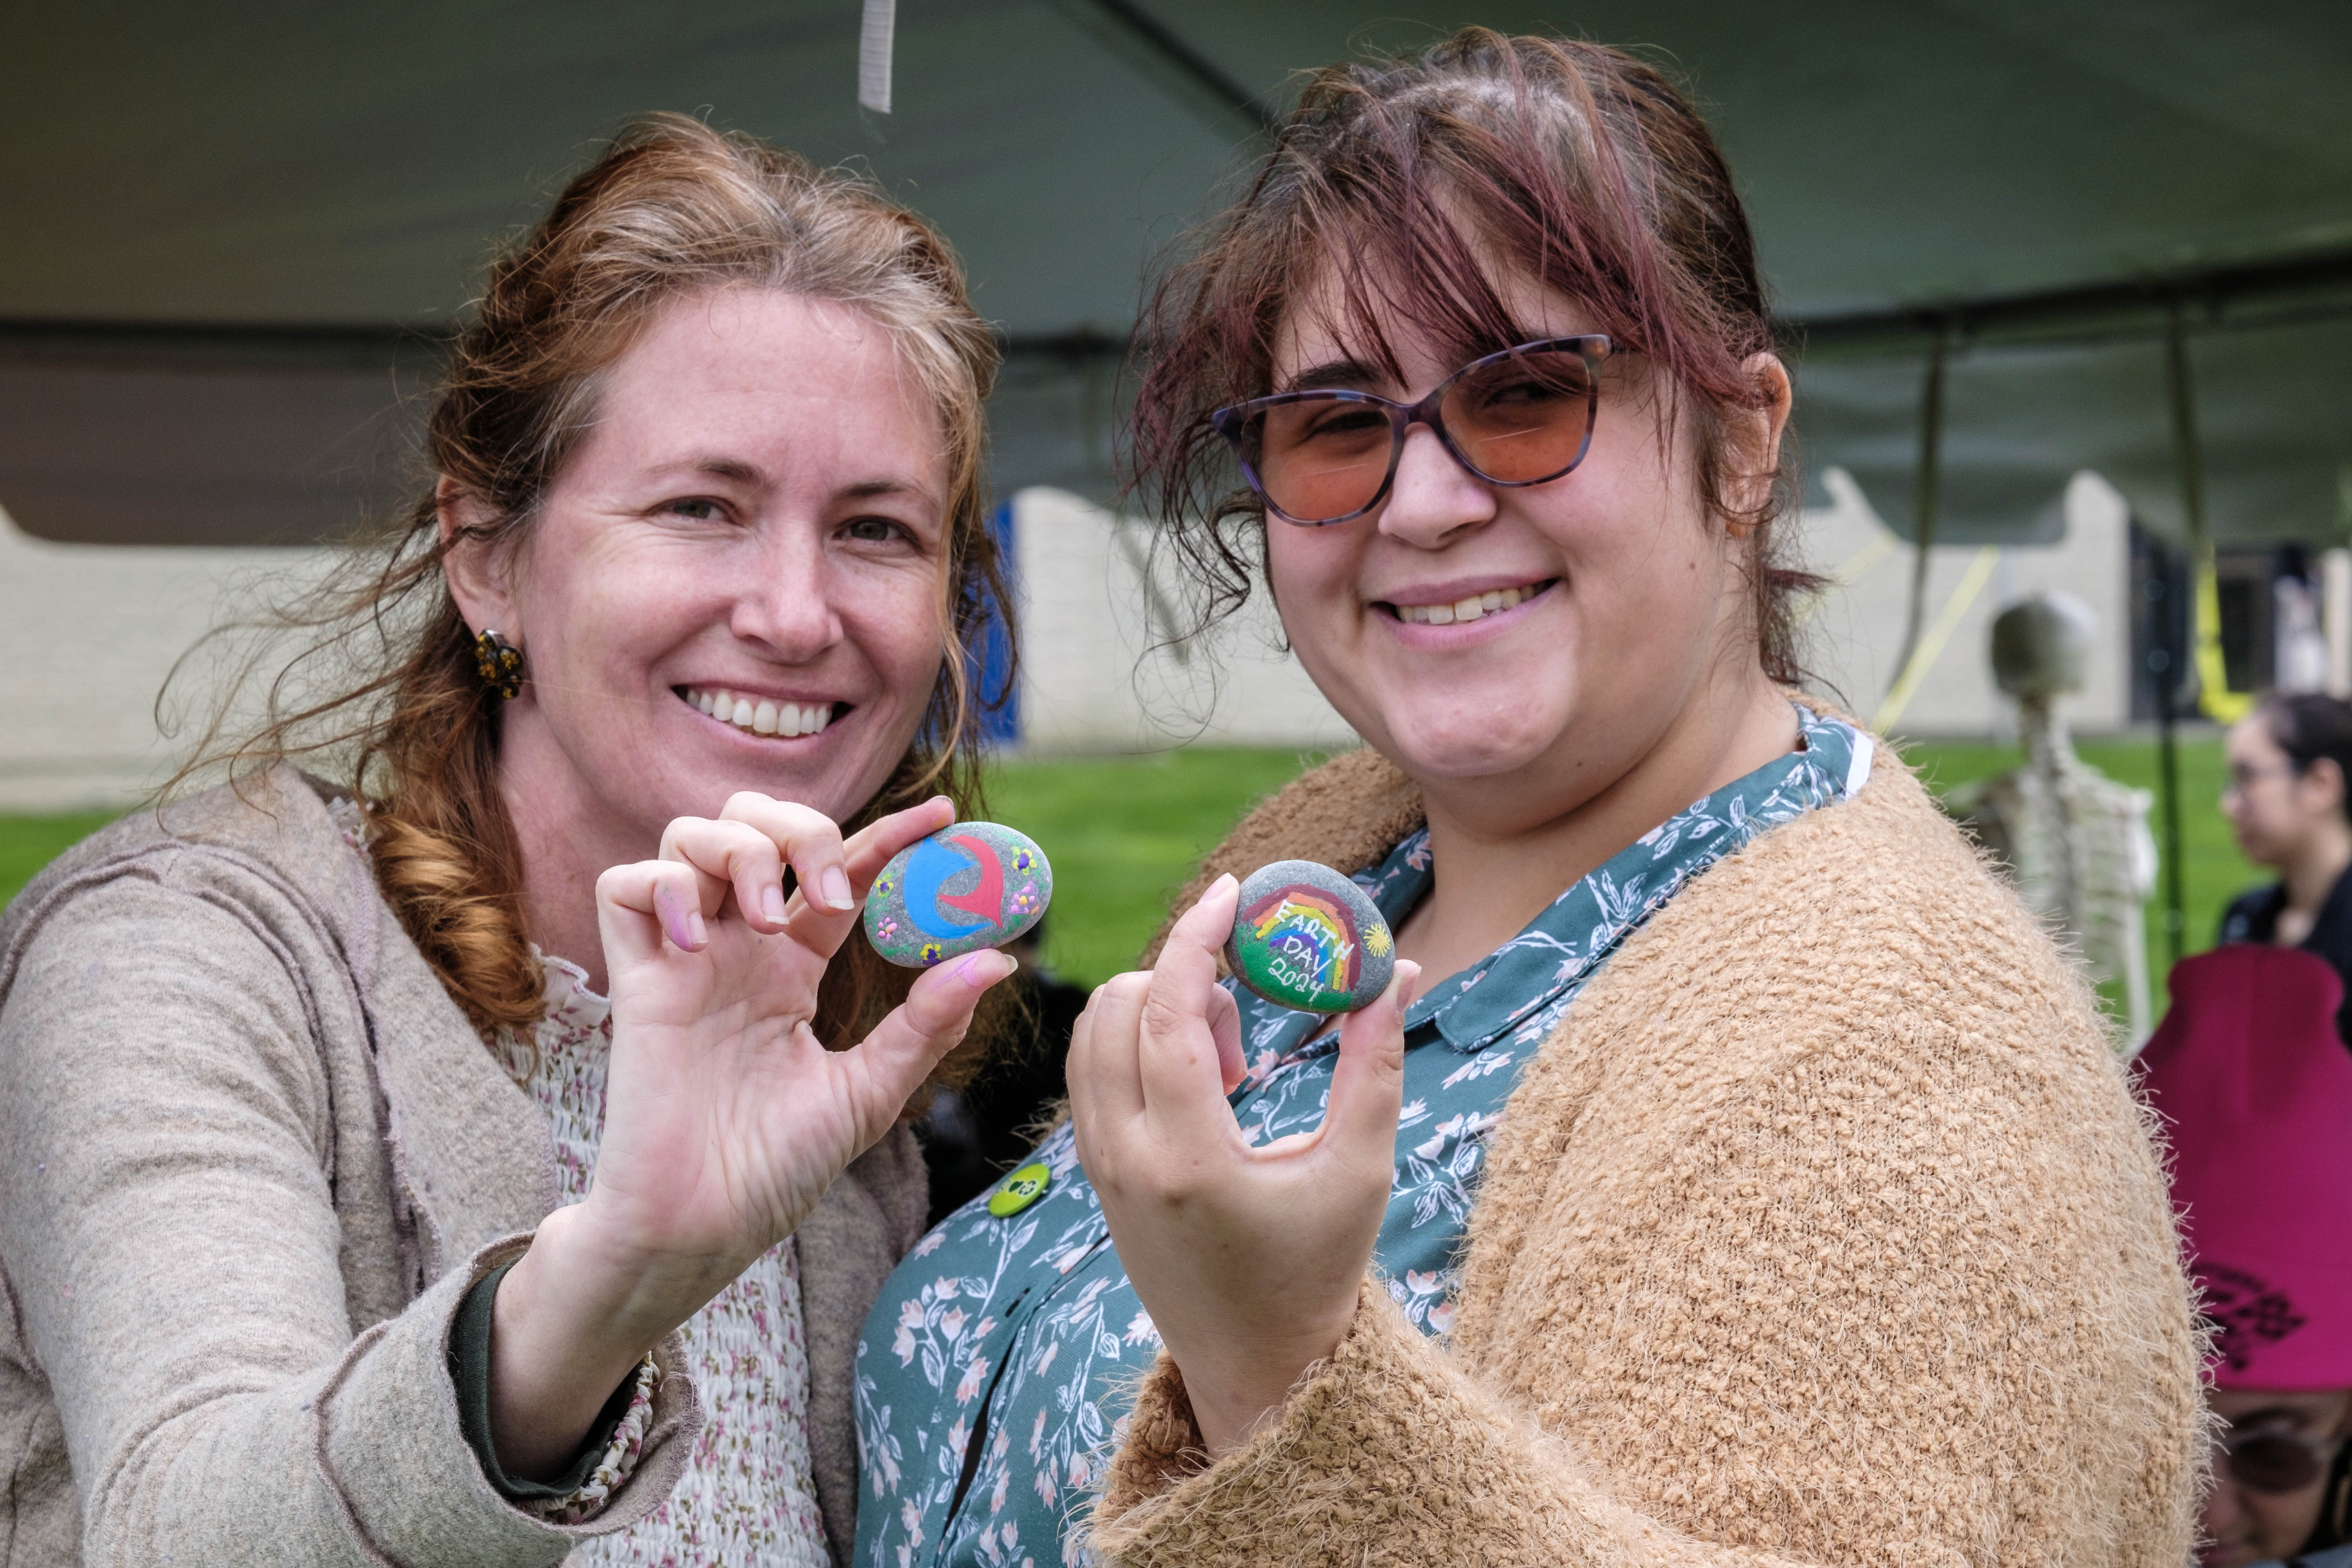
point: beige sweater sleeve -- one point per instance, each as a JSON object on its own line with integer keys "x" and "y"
{"x": 1825, "y": 1230}
{"x": 1386, "y": 1453}
{"x": 171, "y": 1247}
{"x": 1908, "y": 1423}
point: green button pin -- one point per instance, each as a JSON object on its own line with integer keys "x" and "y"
{"x": 1019, "y": 1190}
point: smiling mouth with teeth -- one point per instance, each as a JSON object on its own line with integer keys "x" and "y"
{"x": 761, "y": 715}
{"x": 1493, "y": 602}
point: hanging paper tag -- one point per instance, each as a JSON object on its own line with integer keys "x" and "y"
{"x": 874, "y": 39}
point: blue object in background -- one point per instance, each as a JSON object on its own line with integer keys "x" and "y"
{"x": 999, "y": 692}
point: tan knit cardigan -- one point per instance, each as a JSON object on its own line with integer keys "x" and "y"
{"x": 252, "y": 1157}
{"x": 1824, "y": 1230}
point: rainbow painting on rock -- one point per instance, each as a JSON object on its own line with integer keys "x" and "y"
{"x": 1307, "y": 937}
{"x": 1310, "y": 941}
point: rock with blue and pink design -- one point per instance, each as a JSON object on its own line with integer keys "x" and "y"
{"x": 973, "y": 885}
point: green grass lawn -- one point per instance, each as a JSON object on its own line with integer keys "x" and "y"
{"x": 1124, "y": 832}
{"x": 29, "y": 843}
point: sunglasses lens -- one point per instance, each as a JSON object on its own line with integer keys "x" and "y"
{"x": 1320, "y": 459}
{"x": 2273, "y": 1462}
{"x": 1324, "y": 458}
{"x": 1524, "y": 418}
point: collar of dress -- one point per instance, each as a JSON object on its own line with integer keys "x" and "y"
{"x": 1521, "y": 988}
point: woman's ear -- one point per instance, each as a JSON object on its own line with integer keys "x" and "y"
{"x": 474, "y": 566}
{"x": 1755, "y": 439}
{"x": 2325, "y": 782}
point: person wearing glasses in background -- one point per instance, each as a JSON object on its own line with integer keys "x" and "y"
{"x": 2255, "y": 1091}
{"x": 1734, "y": 1172}
{"x": 2287, "y": 800}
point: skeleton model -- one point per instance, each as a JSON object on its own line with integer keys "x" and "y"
{"x": 2076, "y": 842}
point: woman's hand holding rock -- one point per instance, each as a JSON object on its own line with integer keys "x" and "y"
{"x": 726, "y": 1117}
{"x": 1248, "y": 1258}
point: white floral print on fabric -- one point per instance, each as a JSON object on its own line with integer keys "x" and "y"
{"x": 618, "y": 1462}
{"x": 748, "y": 1496}
{"x": 997, "y": 1368}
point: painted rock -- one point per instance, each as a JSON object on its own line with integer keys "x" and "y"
{"x": 1305, "y": 937}
{"x": 970, "y": 886}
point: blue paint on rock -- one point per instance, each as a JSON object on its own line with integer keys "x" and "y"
{"x": 974, "y": 885}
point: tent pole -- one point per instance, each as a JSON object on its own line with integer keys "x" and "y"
{"x": 1923, "y": 501}
{"x": 2185, "y": 454}
{"x": 2167, "y": 757}
{"x": 2214, "y": 697}
{"x": 1165, "y": 42}
{"x": 2168, "y": 661}
{"x": 2198, "y": 620}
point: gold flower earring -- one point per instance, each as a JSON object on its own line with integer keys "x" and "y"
{"x": 500, "y": 663}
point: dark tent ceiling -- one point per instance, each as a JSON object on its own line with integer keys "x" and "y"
{"x": 221, "y": 222}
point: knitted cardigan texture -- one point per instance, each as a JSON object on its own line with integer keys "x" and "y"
{"x": 1824, "y": 1229}
{"x": 252, "y": 1159}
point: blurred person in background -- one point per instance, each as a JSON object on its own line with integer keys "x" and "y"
{"x": 488, "y": 1154}
{"x": 2287, "y": 800}
{"x": 2255, "y": 1089}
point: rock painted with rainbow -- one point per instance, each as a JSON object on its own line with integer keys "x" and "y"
{"x": 968, "y": 886}
{"x": 1308, "y": 938}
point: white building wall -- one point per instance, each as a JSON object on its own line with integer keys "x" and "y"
{"x": 1854, "y": 633}
{"x": 1090, "y": 682}
{"x": 88, "y": 635}
{"x": 1094, "y": 676}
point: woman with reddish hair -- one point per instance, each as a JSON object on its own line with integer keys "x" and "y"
{"x": 473, "y": 1133}
{"x": 1734, "y": 1172}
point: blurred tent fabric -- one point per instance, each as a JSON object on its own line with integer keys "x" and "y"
{"x": 233, "y": 234}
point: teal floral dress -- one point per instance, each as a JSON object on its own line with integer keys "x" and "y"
{"x": 995, "y": 1374}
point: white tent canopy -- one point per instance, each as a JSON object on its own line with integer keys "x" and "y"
{"x": 233, "y": 234}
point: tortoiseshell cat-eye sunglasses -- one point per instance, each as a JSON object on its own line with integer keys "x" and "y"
{"x": 1522, "y": 416}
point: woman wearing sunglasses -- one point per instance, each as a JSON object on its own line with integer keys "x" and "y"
{"x": 2256, "y": 1091}
{"x": 1734, "y": 1171}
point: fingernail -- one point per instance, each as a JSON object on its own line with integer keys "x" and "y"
{"x": 695, "y": 928}
{"x": 986, "y": 968}
{"x": 772, "y": 904}
{"x": 836, "y": 888}
{"x": 677, "y": 923}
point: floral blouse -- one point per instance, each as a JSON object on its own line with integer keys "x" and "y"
{"x": 748, "y": 1496}
{"x": 995, "y": 1374}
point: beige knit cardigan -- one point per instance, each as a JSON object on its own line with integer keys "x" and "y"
{"x": 1824, "y": 1229}
{"x": 252, "y": 1156}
